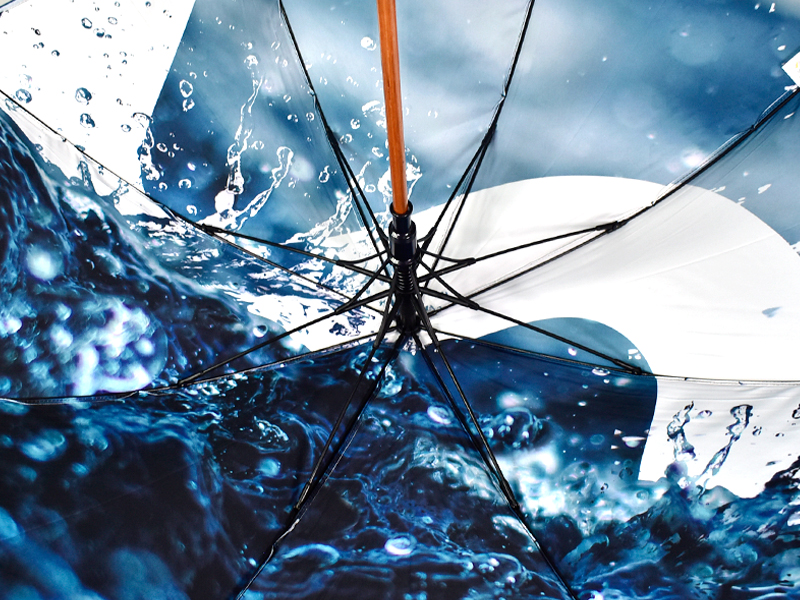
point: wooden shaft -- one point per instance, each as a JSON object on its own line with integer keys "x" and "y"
{"x": 390, "y": 63}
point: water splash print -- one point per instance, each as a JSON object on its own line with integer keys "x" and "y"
{"x": 228, "y": 217}
{"x": 234, "y": 160}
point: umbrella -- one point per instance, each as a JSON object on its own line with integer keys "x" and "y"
{"x": 215, "y": 382}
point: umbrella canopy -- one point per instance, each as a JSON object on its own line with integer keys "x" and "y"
{"x": 222, "y": 376}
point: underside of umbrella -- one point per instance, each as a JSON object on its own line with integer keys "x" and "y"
{"x": 231, "y": 367}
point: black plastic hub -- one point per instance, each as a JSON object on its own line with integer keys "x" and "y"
{"x": 403, "y": 250}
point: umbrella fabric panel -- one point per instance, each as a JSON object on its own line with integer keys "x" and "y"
{"x": 572, "y": 442}
{"x": 176, "y": 494}
{"x": 255, "y": 158}
{"x": 638, "y": 90}
{"x": 108, "y": 292}
{"x": 408, "y": 509}
{"x": 694, "y": 282}
{"x": 454, "y": 58}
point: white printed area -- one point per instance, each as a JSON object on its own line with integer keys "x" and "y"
{"x": 86, "y": 68}
{"x": 701, "y": 286}
{"x": 731, "y": 435}
{"x": 792, "y": 68}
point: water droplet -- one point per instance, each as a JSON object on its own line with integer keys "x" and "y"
{"x": 125, "y": 127}
{"x": 260, "y": 331}
{"x": 572, "y": 351}
{"x": 188, "y": 104}
{"x": 346, "y": 139}
{"x": 355, "y": 123}
{"x": 87, "y": 24}
{"x": 401, "y": 545}
{"x": 112, "y": 20}
{"x": 39, "y": 46}
{"x": 368, "y": 44}
{"x": 87, "y": 121}
{"x": 55, "y": 53}
{"x": 83, "y": 96}
{"x": 186, "y": 88}
{"x": 99, "y": 32}
{"x": 162, "y": 186}
{"x": 310, "y": 116}
{"x": 23, "y": 96}
{"x": 161, "y": 146}
{"x": 632, "y": 441}
{"x": 185, "y": 184}
{"x": 600, "y": 372}
{"x": 191, "y": 209}
{"x": 325, "y": 175}
{"x": 796, "y": 413}
{"x": 251, "y": 60}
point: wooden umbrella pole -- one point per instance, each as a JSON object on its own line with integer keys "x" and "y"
{"x": 390, "y": 63}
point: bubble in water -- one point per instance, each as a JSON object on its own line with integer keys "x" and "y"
{"x": 402, "y": 545}
{"x": 439, "y": 414}
{"x": 23, "y": 96}
{"x": 368, "y": 44}
{"x": 185, "y": 184}
{"x": 325, "y": 175}
{"x": 186, "y": 88}
{"x": 42, "y": 264}
{"x": 83, "y": 96}
{"x": 49, "y": 445}
{"x": 87, "y": 121}
{"x": 87, "y": 24}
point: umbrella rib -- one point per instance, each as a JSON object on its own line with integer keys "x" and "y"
{"x": 531, "y": 353}
{"x": 160, "y": 390}
{"x": 471, "y": 172}
{"x": 346, "y": 307}
{"x": 352, "y": 181}
{"x": 513, "y": 504}
{"x": 490, "y": 457}
{"x": 310, "y": 488}
{"x": 467, "y": 302}
{"x": 346, "y": 264}
{"x": 275, "y": 265}
{"x": 721, "y": 152}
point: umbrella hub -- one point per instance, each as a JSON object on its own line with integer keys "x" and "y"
{"x": 404, "y": 253}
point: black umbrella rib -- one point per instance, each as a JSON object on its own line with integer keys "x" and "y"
{"x": 462, "y": 263}
{"x": 352, "y": 182}
{"x": 531, "y": 353}
{"x": 509, "y": 496}
{"x": 346, "y": 307}
{"x": 309, "y": 490}
{"x": 163, "y": 389}
{"x": 608, "y": 228}
{"x": 345, "y": 264}
{"x": 633, "y": 369}
{"x": 471, "y": 172}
